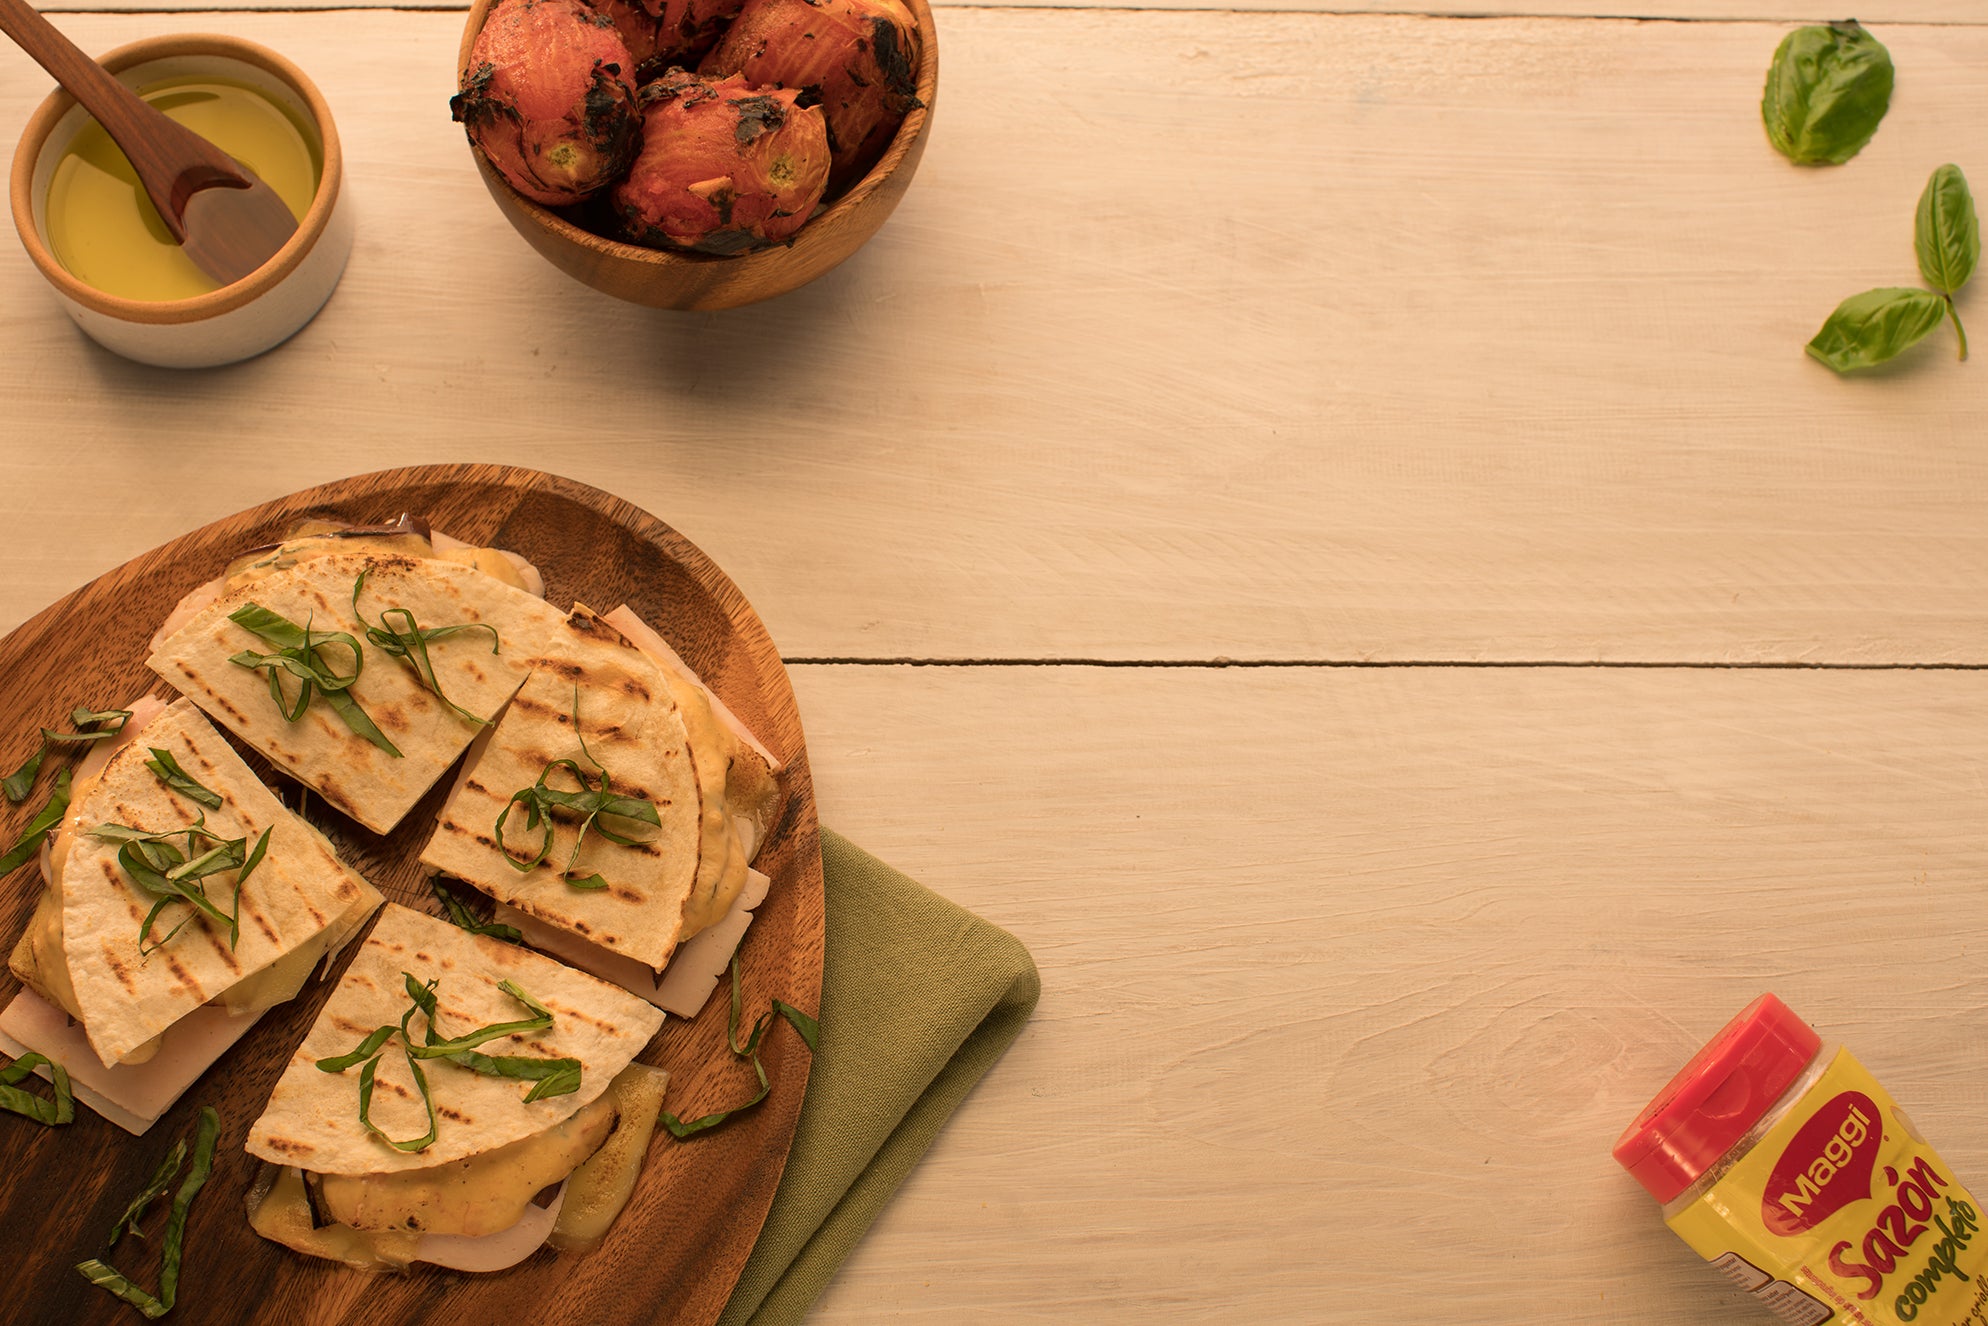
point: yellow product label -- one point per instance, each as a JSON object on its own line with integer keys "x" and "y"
{"x": 1842, "y": 1213}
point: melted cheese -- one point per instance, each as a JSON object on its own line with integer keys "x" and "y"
{"x": 476, "y": 1195}
{"x": 284, "y": 1216}
{"x": 576, "y": 1221}
{"x": 600, "y": 1188}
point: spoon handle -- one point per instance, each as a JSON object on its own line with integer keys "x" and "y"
{"x": 172, "y": 161}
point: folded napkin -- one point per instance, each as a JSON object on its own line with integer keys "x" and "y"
{"x": 919, "y": 997}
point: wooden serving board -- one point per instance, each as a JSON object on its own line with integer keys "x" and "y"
{"x": 678, "y": 1248}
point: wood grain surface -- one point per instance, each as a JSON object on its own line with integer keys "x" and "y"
{"x": 1316, "y": 517}
{"x": 1352, "y": 976}
{"x": 680, "y": 1243}
{"x": 1509, "y": 369}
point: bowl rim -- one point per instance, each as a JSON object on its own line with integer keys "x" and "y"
{"x": 552, "y": 222}
{"x": 34, "y": 139}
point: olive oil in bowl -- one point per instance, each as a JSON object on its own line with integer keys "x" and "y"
{"x": 105, "y": 231}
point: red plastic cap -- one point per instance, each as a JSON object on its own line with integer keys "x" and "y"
{"x": 1709, "y": 1106}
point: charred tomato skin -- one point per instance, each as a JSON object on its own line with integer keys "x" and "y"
{"x": 857, "y": 59}
{"x": 724, "y": 167}
{"x": 548, "y": 95}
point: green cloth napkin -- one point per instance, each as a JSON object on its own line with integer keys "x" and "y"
{"x": 919, "y": 997}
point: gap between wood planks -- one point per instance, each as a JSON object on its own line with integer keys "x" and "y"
{"x": 1290, "y": 9}
{"x": 1322, "y": 663}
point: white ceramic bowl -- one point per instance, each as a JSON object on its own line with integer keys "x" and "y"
{"x": 237, "y": 321}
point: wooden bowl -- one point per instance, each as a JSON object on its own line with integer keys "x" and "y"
{"x": 664, "y": 279}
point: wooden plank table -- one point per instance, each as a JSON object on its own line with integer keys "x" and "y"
{"x": 1318, "y": 520}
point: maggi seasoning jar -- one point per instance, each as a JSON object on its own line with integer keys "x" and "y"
{"x": 1781, "y": 1161}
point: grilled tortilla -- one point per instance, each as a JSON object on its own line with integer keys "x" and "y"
{"x": 300, "y": 901}
{"x": 312, "y": 1119}
{"x": 320, "y": 749}
{"x": 597, "y": 700}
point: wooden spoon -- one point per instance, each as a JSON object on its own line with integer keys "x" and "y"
{"x": 228, "y": 221}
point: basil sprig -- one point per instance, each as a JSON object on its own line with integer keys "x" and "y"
{"x": 167, "y": 770}
{"x": 37, "y": 830}
{"x": 105, "y": 1276}
{"x": 466, "y": 920}
{"x": 300, "y": 653}
{"x": 16, "y": 785}
{"x": 590, "y": 803}
{"x": 14, "y": 1098}
{"x": 810, "y": 1032}
{"x": 153, "y": 863}
{"x": 1946, "y": 236}
{"x": 552, "y": 1077}
{"x": 400, "y": 637}
{"x": 1827, "y": 90}
{"x": 1877, "y": 325}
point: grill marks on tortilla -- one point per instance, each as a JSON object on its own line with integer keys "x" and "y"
{"x": 319, "y": 749}
{"x": 298, "y": 890}
{"x": 630, "y": 726}
{"x": 313, "y": 1117}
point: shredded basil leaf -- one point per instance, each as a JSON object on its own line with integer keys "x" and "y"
{"x": 14, "y": 1098}
{"x": 408, "y": 642}
{"x": 167, "y": 770}
{"x": 1827, "y": 90}
{"x": 153, "y": 863}
{"x": 168, "y": 1168}
{"x": 552, "y": 1077}
{"x": 38, "y": 828}
{"x": 589, "y": 803}
{"x": 16, "y": 785}
{"x": 19, "y": 783}
{"x": 299, "y": 653}
{"x": 810, "y": 1033}
{"x": 108, "y": 1277}
{"x": 466, "y": 920}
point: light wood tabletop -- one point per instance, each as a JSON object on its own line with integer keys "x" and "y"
{"x": 1317, "y": 518}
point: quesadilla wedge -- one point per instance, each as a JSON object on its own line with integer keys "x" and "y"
{"x": 610, "y": 711}
{"x": 449, "y": 1081}
{"x": 183, "y": 901}
{"x": 364, "y": 675}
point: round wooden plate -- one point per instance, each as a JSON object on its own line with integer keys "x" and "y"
{"x": 678, "y": 1248}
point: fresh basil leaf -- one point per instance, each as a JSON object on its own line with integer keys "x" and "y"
{"x": 167, "y": 770}
{"x": 168, "y": 1170}
{"x": 38, "y": 828}
{"x": 19, "y": 783}
{"x": 1827, "y": 89}
{"x": 466, "y": 920}
{"x": 590, "y": 803}
{"x": 112, "y": 719}
{"x": 17, "y": 1100}
{"x": 806, "y": 1026}
{"x": 1947, "y": 235}
{"x": 408, "y": 642}
{"x": 1868, "y": 329}
{"x": 108, "y": 1277}
{"x": 366, "y": 1050}
{"x": 16, "y": 785}
{"x": 299, "y": 652}
{"x": 552, "y": 1077}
